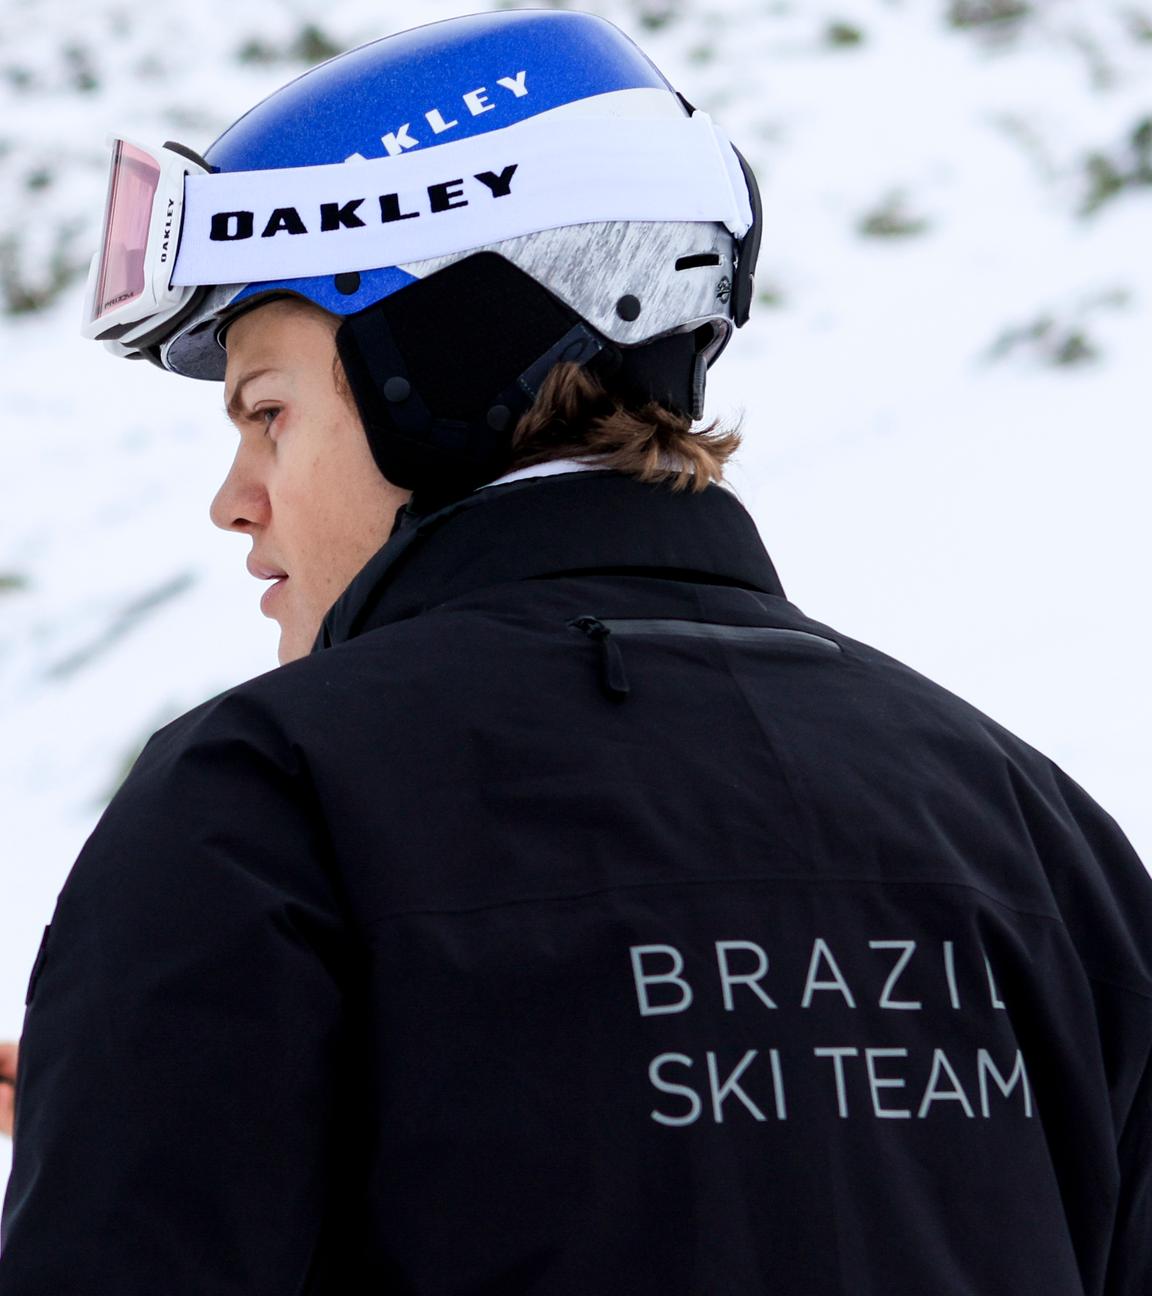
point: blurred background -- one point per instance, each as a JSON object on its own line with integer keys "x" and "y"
{"x": 944, "y": 385}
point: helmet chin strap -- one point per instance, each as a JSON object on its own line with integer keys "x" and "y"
{"x": 442, "y": 371}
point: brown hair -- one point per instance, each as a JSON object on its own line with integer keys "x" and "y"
{"x": 576, "y": 416}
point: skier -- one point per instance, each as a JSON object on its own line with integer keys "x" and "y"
{"x": 9, "y": 1057}
{"x": 569, "y": 913}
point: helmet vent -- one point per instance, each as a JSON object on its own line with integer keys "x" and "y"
{"x": 697, "y": 259}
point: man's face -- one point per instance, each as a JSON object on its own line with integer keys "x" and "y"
{"x": 303, "y": 484}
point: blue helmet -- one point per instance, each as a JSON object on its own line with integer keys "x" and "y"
{"x": 648, "y": 298}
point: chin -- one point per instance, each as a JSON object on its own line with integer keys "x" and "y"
{"x": 294, "y": 644}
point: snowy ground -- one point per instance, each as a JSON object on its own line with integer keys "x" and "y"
{"x": 927, "y": 475}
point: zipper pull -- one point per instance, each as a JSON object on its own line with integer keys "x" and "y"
{"x": 612, "y": 676}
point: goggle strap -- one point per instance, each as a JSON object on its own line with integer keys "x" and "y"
{"x": 288, "y": 223}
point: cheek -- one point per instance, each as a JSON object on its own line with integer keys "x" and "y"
{"x": 297, "y": 484}
{"x": 326, "y": 515}
{"x": 332, "y": 509}
{"x": 301, "y": 508}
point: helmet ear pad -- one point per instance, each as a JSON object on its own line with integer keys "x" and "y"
{"x": 442, "y": 370}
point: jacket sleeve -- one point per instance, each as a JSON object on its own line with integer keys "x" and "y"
{"x": 1105, "y": 898}
{"x": 1130, "y": 1259}
{"x": 181, "y": 1051}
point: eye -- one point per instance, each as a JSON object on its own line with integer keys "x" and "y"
{"x": 267, "y": 415}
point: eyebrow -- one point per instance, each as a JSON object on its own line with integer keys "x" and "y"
{"x": 232, "y": 406}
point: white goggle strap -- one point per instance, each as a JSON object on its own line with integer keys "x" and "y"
{"x": 288, "y": 223}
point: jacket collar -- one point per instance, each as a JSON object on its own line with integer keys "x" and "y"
{"x": 578, "y": 522}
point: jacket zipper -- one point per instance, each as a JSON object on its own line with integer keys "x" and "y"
{"x": 612, "y": 677}
{"x": 775, "y": 636}
{"x": 606, "y": 633}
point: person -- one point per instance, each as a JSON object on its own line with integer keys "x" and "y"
{"x": 9, "y": 1058}
{"x": 568, "y": 912}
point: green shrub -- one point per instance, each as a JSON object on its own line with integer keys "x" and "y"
{"x": 843, "y": 35}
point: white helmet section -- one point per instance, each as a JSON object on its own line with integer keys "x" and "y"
{"x": 590, "y": 267}
{"x": 679, "y": 272}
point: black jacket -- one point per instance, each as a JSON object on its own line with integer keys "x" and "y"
{"x": 582, "y": 918}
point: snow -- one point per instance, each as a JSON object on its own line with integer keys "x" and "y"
{"x": 974, "y": 509}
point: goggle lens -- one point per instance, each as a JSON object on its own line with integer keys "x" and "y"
{"x": 132, "y": 185}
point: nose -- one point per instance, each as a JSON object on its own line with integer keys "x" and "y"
{"x": 242, "y": 500}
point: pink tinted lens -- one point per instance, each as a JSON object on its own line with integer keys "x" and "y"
{"x": 131, "y": 191}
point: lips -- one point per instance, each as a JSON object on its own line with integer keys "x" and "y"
{"x": 268, "y": 598}
{"x": 262, "y": 570}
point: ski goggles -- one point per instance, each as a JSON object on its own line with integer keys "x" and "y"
{"x": 130, "y": 292}
{"x": 173, "y": 228}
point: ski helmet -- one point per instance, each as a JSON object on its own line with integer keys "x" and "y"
{"x": 536, "y": 192}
